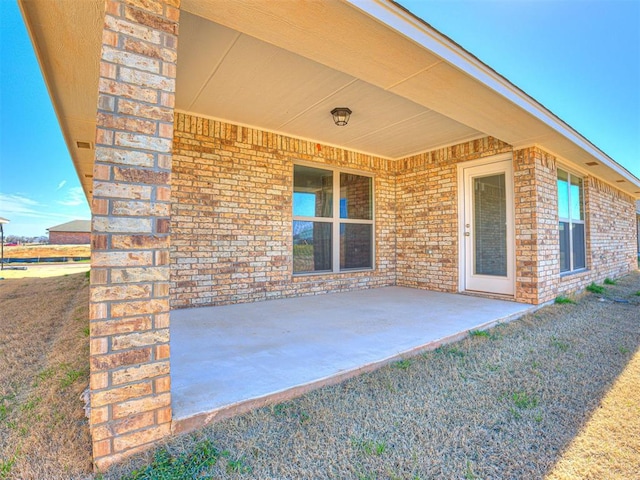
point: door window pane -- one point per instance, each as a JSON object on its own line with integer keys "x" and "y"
{"x": 490, "y": 225}
{"x": 312, "y": 192}
{"x": 311, "y": 247}
{"x": 355, "y": 196}
{"x": 355, "y": 245}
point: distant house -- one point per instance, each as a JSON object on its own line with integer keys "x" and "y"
{"x": 76, "y": 232}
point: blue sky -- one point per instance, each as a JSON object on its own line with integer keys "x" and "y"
{"x": 579, "y": 58}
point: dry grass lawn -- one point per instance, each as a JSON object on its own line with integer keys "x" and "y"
{"x": 44, "y": 354}
{"x": 555, "y": 395}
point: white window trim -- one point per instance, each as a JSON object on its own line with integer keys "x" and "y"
{"x": 335, "y": 220}
{"x": 571, "y": 221}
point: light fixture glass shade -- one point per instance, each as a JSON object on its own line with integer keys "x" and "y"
{"x": 341, "y": 115}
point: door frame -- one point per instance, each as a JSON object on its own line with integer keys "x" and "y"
{"x": 505, "y": 158}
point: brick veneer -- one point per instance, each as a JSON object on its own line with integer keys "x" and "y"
{"x": 536, "y": 223}
{"x": 129, "y": 305}
{"x": 232, "y": 215}
{"x": 610, "y": 236}
{"x": 427, "y": 213}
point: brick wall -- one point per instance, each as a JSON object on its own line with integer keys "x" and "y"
{"x": 69, "y": 238}
{"x": 232, "y": 216}
{"x": 610, "y": 236}
{"x": 427, "y": 214}
{"x": 536, "y": 223}
{"x": 129, "y": 301}
{"x": 609, "y": 230}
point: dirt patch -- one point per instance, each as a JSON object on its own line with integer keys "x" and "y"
{"x": 513, "y": 402}
{"x": 43, "y": 270}
{"x": 44, "y": 353}
{"x": 47, "y": 251}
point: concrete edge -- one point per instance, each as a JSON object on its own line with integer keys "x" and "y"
{"x": 199, "y": 420}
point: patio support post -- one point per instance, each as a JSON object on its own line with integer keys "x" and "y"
{"x": 129, "y": 301}
{"x": 536, "y": 205}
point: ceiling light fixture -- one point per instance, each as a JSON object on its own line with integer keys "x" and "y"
{"x": 341, "y": 116}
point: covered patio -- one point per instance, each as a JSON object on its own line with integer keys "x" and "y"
{"x": 229, "y": 359}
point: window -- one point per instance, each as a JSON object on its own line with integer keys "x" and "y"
{"x": 332, "y": 220}
{"x": 571, "y": 216}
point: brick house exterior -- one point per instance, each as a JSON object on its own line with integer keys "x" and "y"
{"x": 191, "y": 208}
{"x": 77, "y": 232}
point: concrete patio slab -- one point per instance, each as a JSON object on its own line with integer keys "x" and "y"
{"x": 228, "y": 359}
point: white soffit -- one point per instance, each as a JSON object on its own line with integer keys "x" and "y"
{"x": 232, "y": 76}
{"x": 67, "y": 36}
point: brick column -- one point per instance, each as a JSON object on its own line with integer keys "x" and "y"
{"x": 129, "y": 306}
{"x": 536, "y": 212}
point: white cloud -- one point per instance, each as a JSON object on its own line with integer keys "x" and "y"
{"x": 74, "y": 197}
{"x": 61, "y": 184}
{"x": 16, "y": 205}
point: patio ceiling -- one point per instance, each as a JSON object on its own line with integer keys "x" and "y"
{"x": 282, "y": 66}
{"x": 247, "y": 81}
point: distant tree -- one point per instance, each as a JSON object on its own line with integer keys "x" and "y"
{"x": 20, "y": 239}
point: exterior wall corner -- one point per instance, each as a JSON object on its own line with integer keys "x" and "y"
{"x": 130, "y": 395}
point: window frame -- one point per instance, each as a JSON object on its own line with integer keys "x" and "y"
{"x": 571, "y": 221}
{"x": 335, "y": 220}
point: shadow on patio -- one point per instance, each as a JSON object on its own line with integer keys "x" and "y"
{"x": 229, "y": 359}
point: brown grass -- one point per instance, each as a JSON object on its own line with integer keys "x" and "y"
{"x": 45, "y": 251}
{"x": 608, "y": 446}
{"x": 44, "y": 354}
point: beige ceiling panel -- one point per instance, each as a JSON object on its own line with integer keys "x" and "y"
{"x": 373, "y": 109}
{"x": 418, "y": 134}
{"x": 259, "y": 84}
{"x": 202, "y": 46}
{"x": 329, "y": 32}
{"x": 458, "y": 96}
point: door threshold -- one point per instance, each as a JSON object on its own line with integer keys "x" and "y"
{"x": 497, "y": 296}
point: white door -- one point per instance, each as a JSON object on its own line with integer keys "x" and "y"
{"x": 487, "y": 228}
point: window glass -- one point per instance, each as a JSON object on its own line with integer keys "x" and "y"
{"x": 312, "y": 192}
{"x": 565, "y": 247}
{"x": 490, "y": 225}
{"x": 355, "y": 245}
{"x": 573, "y": 255}
{"x": 312, "y": 251}
{"x": 325, "y": 240}
{"x": 579, "y": 254}
{"x": 576, "y": 198}
{"x": 563, "y": 194}
{"x": 355, "y": 196}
